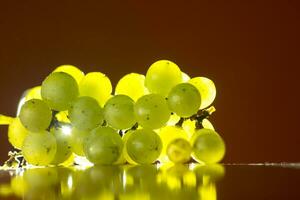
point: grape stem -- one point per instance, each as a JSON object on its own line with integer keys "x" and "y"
{"x": 199, "y": 117}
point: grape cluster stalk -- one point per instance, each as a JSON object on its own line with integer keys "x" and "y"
{"x": 73, "y": 118}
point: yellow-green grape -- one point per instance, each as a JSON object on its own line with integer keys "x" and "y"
{"x": 96, "y": 85}
{"x": 118, "y": 112}
{"x": 151, "y": 111}
{"x": 77, "y": 138}
{"x": 16, "y": 133}
{"x": 184, "y": 99}
{"x": 206, "y": 88}
{"x": 179, "y": 151}
{"x": 85, "y": 113}
{"x": 103, "y": 146}
{"x": 144, "y": 146}
{"x": 33, "y": 93}
{"x": 59, "y": 90}
{"x": 190, "y": 125}
{"x": 5, "y": 120}
{"x": 132, "y": 85}
{"x": 76, "y": 73}
{"x": 185, "y": 77}
{"x": 167, "y": 135}
{"x": 162, "y": 76}
{"x": 63, "y": 142}
{"x": 214, "y": 171}
{"x": 39, "y": 148}
{"x": 35, "y": 115}
{"x": 208, "y": 146}
{"x": 125, "y": 154}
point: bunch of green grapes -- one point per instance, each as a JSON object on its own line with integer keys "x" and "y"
{"x": 161, "y": 116}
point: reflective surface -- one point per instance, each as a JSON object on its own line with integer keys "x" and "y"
{"x": 192, "y": 181}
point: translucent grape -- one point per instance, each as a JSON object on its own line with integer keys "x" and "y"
{"x": 77, "y": 138}
{"x": 59, "y": 90}
{"x": 85, "y": 113}
{"x": 179, "y": 151}
{"x": 167, "y": 135}
{"x": 63, "y": 143}
{"x": 5, "y": 120}
{"x": 35, "y": 115}
{"x": 207, "y": 90}
{"x": 132, "y": 85}
{"x": 118, "y": 112}
{"x": 16, "y": 133}
{"x": 103, "y": 146}
{"x": 96, "y": 85}
{"x": 190, "y": 125}
{"x": 151, "y": 111}
{"x": 33, "y": 93}
{"x": 185, "y": 77}
{"x": 125, "y": 154}
{"x": 208, "y": 146}
{"x": 76, "y": 73}
{"x": 144, "y": 146}
{"x": 162, "y": 76}
{"x": 184, "y": 99}
{"x": 39, "y": 148}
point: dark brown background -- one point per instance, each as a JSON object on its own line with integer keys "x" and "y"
{"x": 249, "y": 48}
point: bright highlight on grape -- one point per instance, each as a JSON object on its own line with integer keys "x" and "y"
{"x": 159, "y": 117}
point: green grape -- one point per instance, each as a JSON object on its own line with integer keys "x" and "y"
{"x": 96, "y": 85}
{"x": 144, "y": 146}
{"x": 85, "y": 113}
{"x": 208, "y": 146}
{"x": 132, "y": 85}
{"x": 39, "y": 148}
{"x": 73, "y": 71}
{"x": 179, "y": 151}
{"x": 63, "y": 142}
{"x": 35, "y": 115}
{"x": 125, "y": 154}
{"x": 5, "y": 120}
{"x": 151, "y": 111}
{"x": 77, "y": 138}
{"x": 185, "y": 77}
{"x": 190, "y": 126}
{"x": 16, "y": 133}
{"x": 207, "y": 90}
{"x": 118, "y": 112}
{"x": 59, "y": 90}
{"x": 162, "y": 76}
{"x": 167, "y": 135}
{"x": 103, "y": 146}
{"x": 184, "y": 99}
{"x": 33, "y": 93}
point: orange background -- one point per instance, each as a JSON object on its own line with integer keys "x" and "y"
{"x": 249, "y": 48}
